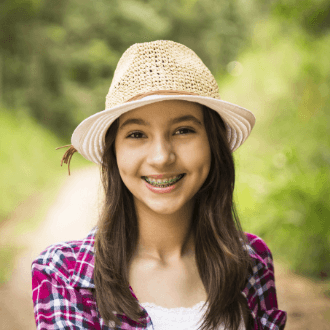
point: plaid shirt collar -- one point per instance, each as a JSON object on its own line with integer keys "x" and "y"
{"x": 83, "y": 273}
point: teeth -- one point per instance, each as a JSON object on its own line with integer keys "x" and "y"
{"x": 164, "y": 181}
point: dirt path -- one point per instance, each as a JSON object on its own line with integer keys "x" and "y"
{"x": 71, "y": 216}
{"x": 74, "y": 213}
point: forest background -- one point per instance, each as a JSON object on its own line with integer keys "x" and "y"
{"x": 57, "y": 58}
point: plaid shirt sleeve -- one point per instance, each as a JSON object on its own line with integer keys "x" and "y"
{"x": 260, "y": 289}
{"x": 58, "y": 305}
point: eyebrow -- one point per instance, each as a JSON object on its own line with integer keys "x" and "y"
{"x": 177, "y": 120}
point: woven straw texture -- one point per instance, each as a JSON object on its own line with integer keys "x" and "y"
{"x": 158, "y": 66}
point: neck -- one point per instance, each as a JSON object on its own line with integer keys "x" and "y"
{"x": 167, "y": 238}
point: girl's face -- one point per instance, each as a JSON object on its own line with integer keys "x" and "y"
{"x": 151, "y": 140}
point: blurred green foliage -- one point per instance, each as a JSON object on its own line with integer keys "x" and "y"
{"x": 28, "y": 159}
{"x": 283, "y": 170}
{"x": 312, "y": 15}
{"x": 58, "y": 56}
{"x": 57, "y": 59}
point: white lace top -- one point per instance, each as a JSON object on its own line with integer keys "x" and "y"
{"x": 180, "y": 318}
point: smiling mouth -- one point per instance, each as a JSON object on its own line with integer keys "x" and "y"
{"x": 164, "y": 184}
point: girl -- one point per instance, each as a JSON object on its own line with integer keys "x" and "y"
{"x": 168, "y": 251}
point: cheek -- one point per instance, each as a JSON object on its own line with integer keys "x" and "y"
{"x": 198, "y": 157}
{"x": 204, "y": 161}
{"x": 205, "y": 151}
{"x": 125, "y": 169}
{"x": 127, "y": 161}
{"x": 123, "y": 164}
{"x": 121, "y": 158}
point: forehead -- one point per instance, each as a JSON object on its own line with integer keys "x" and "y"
{"x": 165, "y": 109}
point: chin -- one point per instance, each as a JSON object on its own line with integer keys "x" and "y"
{"x": 163, "y": 210}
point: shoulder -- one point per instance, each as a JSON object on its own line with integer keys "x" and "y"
{"x": 61, "y": 279}
{"x": 58, "y": 258}
{"x": 259, "y": 250}
{"x": 260, "y": 290}
{"x": 257, "y": 242}
{"x": 61, "y": 259}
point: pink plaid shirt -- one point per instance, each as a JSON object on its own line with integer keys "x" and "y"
{"x": 62, "y": 276}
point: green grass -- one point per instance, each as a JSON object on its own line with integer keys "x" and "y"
{"x": 28, "y": 160}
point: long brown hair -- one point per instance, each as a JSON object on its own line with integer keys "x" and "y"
{"x": 222, "y": 262}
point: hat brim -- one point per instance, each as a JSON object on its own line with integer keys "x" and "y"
{"x": 88, "y": 138}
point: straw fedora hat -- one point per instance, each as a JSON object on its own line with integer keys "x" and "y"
{"x": 152, "y": 72}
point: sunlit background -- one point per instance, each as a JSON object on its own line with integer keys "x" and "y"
{"x": 57, "y": 59}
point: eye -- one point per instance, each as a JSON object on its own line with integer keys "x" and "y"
{"x": 134, "y": 133}
{"x": 137, "y": 134}
{"x": 185, "y": 129}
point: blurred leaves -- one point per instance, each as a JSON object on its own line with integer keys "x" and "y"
{"x": 312, "y": 15}
{"x": 13, "y": 14}
{"x": 145, "y": 16}
{"x": 57, "y": 54}
{"x": 283, "y": 187}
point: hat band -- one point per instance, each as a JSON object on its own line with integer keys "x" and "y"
{"x": 161, "y": 92}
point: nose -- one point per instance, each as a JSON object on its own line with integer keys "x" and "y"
{"x": 161, "y": 153}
